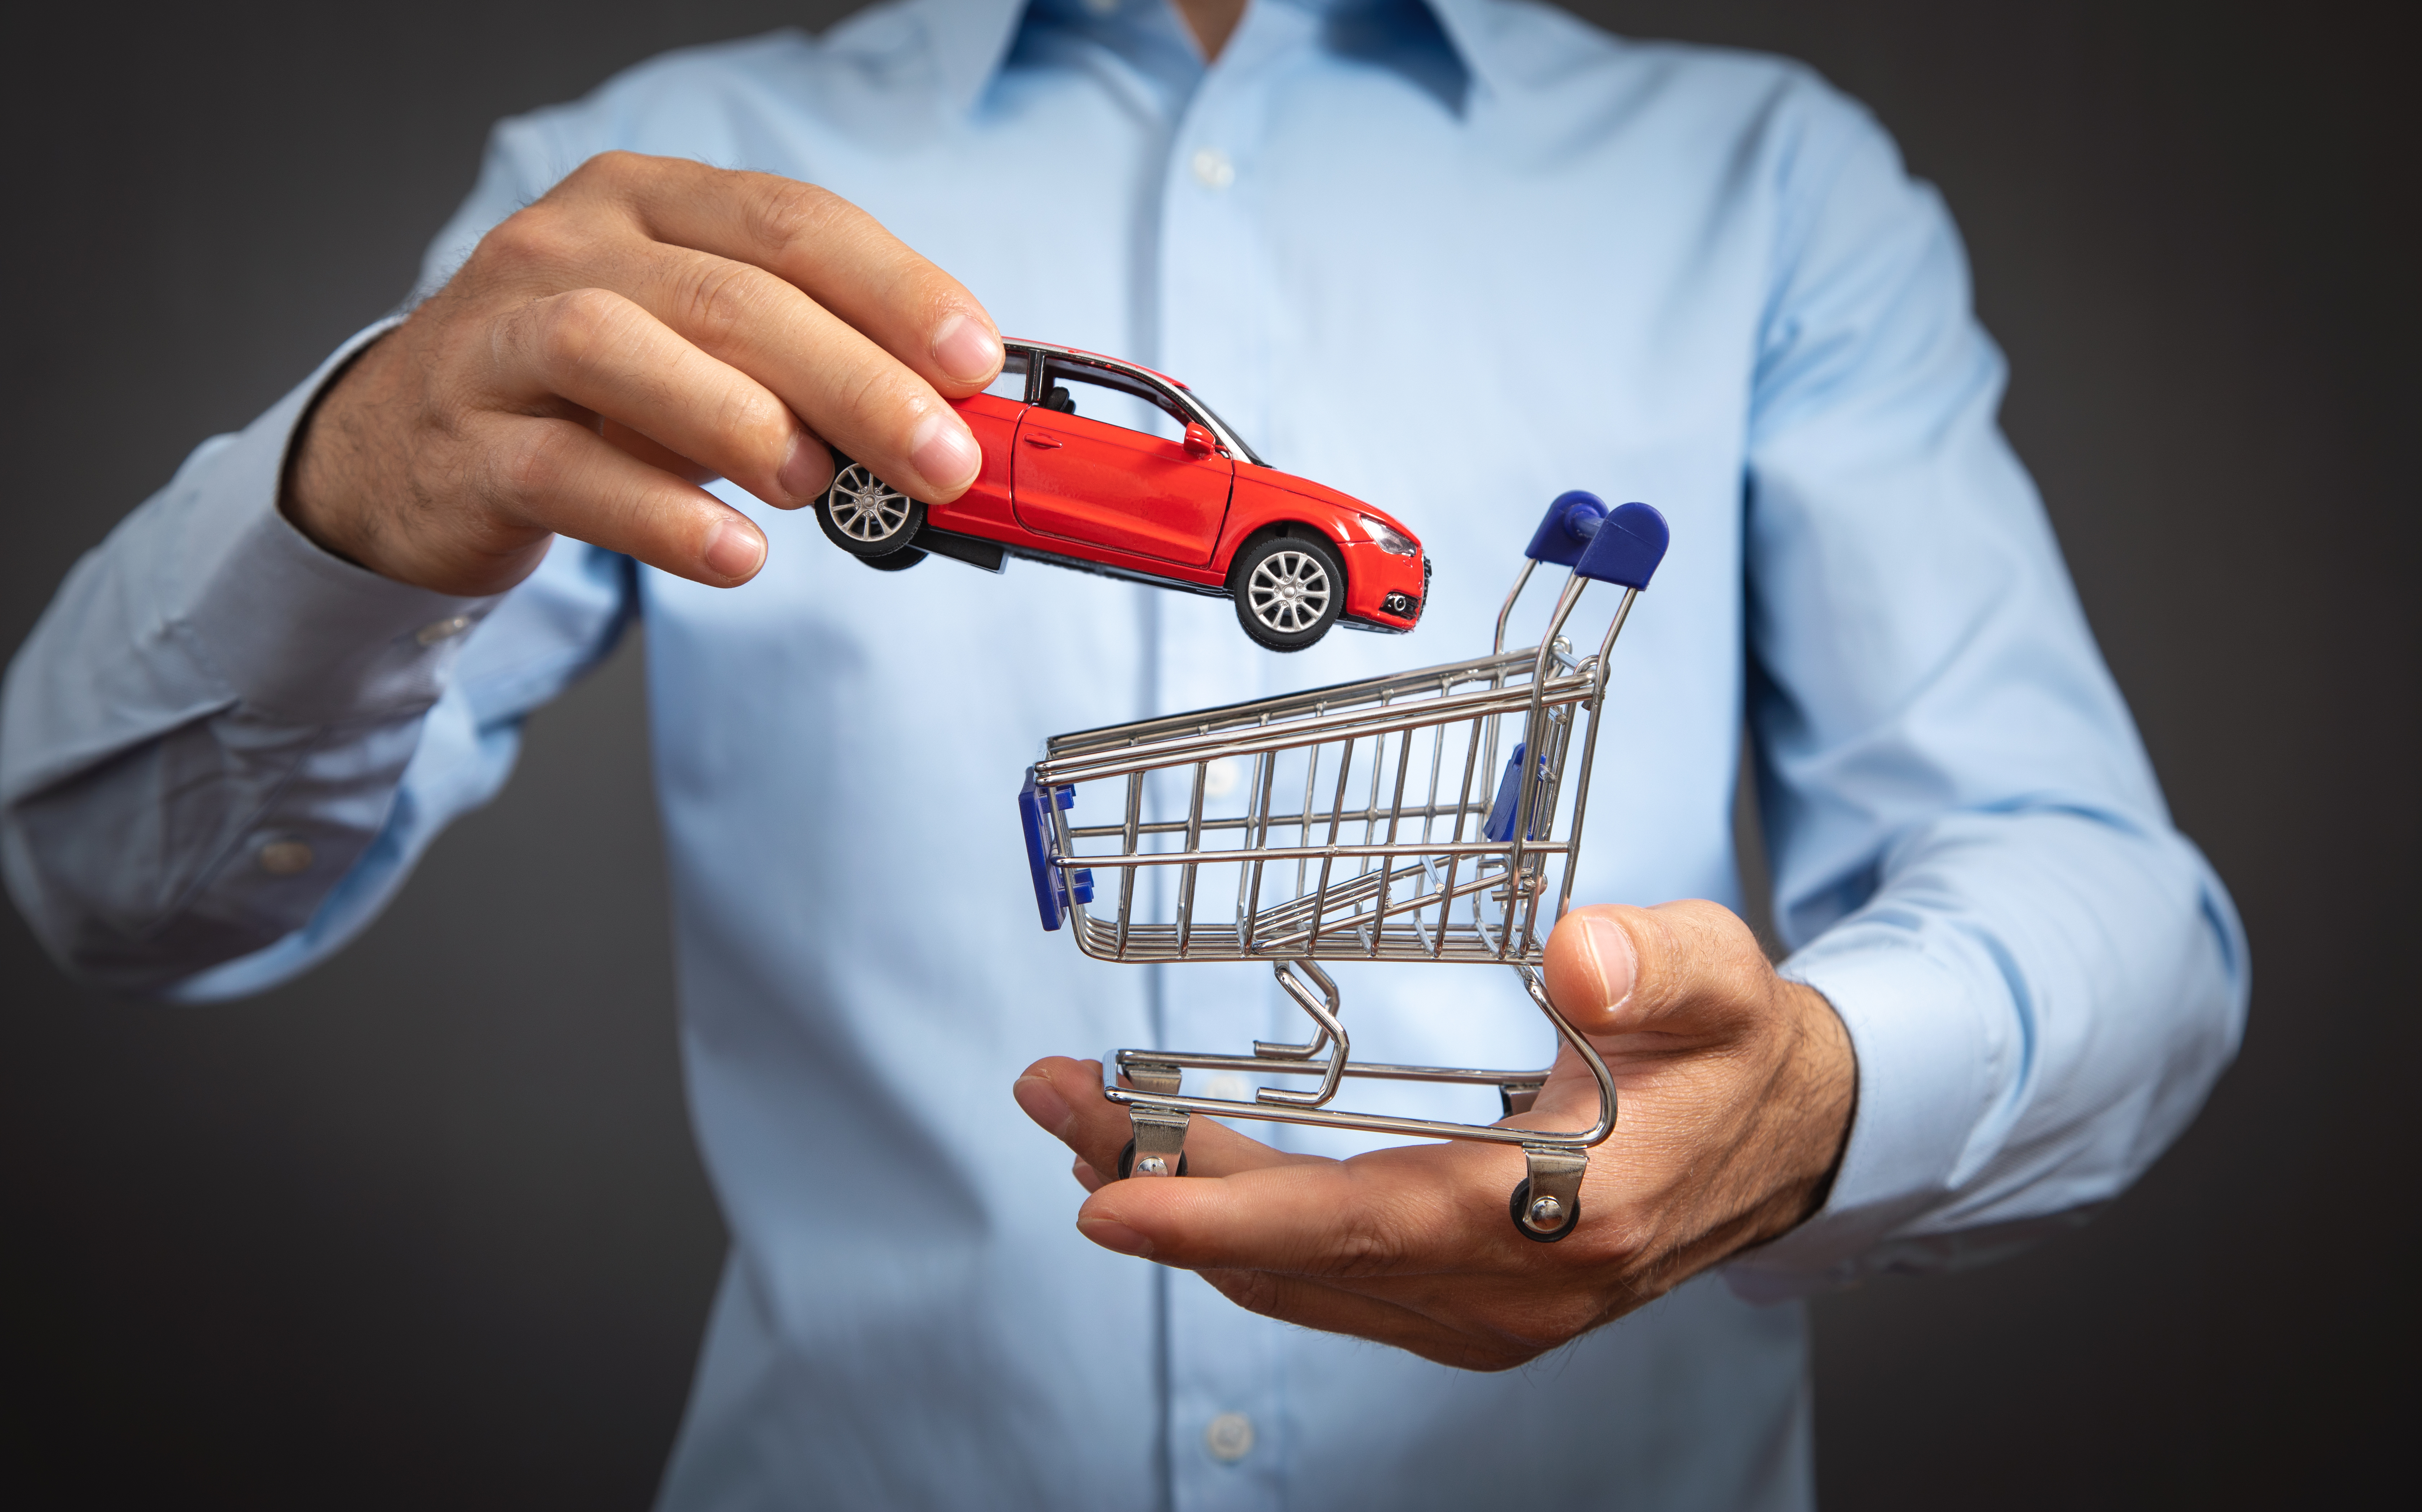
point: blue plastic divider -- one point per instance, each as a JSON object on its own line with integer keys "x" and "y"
{"x": 1051, "y": 899}
{"x": 1500, "y": 827}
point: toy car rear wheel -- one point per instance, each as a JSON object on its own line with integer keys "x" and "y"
{"x": 866, "y": 517}
{"x": 1289, "y": 590}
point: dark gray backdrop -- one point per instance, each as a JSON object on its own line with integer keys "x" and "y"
{"x": 426, "y": 1227}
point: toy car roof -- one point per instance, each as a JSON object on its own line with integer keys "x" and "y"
{"x": 1097, "y": 356}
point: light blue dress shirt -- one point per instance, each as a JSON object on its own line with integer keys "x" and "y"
{"x": 1454, "y": 257}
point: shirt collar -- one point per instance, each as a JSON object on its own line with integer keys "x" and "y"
{"x": 971, "y": 39}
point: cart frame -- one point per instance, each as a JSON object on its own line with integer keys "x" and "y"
{"x": 1459, "y": 873}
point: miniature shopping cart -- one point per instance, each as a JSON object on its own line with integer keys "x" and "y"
{"x": 1419, "y": 817}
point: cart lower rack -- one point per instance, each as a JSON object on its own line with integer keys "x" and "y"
{"x": 1423, "y": 816}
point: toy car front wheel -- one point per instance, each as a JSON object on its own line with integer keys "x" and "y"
{"x": 866, "y": 517}
{"x": 1289, "y": 591}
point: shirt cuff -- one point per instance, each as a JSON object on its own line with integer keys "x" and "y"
{"x": 289, "y": 630}
{"x": 1924, "y": 1058}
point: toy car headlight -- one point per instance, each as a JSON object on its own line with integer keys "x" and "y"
{"x": 1394, "y": 541}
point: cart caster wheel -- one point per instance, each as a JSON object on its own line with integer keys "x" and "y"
{"x": 1126, "y": 1161}
{"x": 1516, "y": 1208}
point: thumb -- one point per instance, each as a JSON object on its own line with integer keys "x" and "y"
{"x": 1592, "y": 966}
{"x": 1613, "y": 969}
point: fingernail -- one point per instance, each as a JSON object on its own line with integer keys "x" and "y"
{"x": 1112, "y": 1234}
{"x": 944, "y": 450}
{"x": 1612, "y": 957}
{"x": 966, "y": 350}
{"x": 803, "y": 472}
{"x": 1044, "y": 1103}
{"x": 737, "y": 550}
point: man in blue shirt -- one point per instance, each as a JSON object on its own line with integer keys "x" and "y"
{"x": 1452, "y": 255}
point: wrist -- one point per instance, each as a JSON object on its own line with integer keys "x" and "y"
{"x": 1828, "y": 1084}
{"x": 1802, "y": 1121}
{"x": 318, "y": 489}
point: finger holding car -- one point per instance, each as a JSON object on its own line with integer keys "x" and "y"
{"x": 649, "y": 325}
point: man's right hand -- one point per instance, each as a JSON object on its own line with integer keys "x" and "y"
{"x": 651, "y": 324}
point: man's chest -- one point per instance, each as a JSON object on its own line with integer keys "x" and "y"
{"x": 1450, "y": 327}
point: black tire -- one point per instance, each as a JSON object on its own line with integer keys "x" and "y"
{"x": 1522, "y": 1198}
{"x": 868, "y": 517}
{"x": 899, "y": 562}
{"x": 1289, "y": 590}
{"x": 1126, "y": 1161}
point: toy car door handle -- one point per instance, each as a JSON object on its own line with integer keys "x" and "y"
{"x": 1037, "y": 439}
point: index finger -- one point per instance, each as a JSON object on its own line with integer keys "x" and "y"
{"x": 1400, "y": 1212}
{"x": 1065, "y": 1098}
{"x": 835, "y": 253}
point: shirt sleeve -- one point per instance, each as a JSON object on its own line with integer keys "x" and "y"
{"x": 2042, "y": 977}
{"x": 223, "y": 748}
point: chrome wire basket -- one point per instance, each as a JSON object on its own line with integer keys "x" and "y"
{"x": 1424, "y": 816}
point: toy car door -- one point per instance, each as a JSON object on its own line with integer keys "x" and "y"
{"x": 993, "y": 417}
{"x": 1103, "y": 460}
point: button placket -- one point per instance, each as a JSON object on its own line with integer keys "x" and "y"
{"x": 1224, "y": 1397}
{"x": 1227, "y": 1383}
{"x": 1224, "y": 1375}
{"x": 1214, "y": 280}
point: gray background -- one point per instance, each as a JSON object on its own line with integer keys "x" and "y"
{"x": 426, "y": 1227}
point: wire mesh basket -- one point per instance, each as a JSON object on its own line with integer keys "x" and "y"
{"x": 1423, "y": 816}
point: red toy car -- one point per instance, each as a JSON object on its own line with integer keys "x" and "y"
{"x": 1099, "y": 465}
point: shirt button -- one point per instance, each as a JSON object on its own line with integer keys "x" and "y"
{"x": 1230, "y": 1437}
{"x": 288, "y": 857}
{"x": 1213, "y": 169}
{"x": 446, "y": 629}
{"x": 1222, "y": 777}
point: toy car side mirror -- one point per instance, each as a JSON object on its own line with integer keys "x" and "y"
{"x": 1199, "y": 442}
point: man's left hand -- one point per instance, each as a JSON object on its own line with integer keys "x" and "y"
{"x": 1736, "y": 1092}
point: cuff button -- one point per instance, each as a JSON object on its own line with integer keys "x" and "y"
{"x": 446, "y": 629}
{"x": 284, "y": 858}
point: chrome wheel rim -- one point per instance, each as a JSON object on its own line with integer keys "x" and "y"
{"x": 1288, "y": 591}
{"x": 865, "y": 507}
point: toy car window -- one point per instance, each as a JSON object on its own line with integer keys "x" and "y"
{"x": 1108, "y": 395}
{"x": 1010, "y": 385}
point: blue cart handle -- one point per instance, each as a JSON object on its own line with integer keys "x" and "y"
{"x": 1622, "y": 545}
{"x": 1566, "y": 532}
{"x": 1626, "y": 546}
